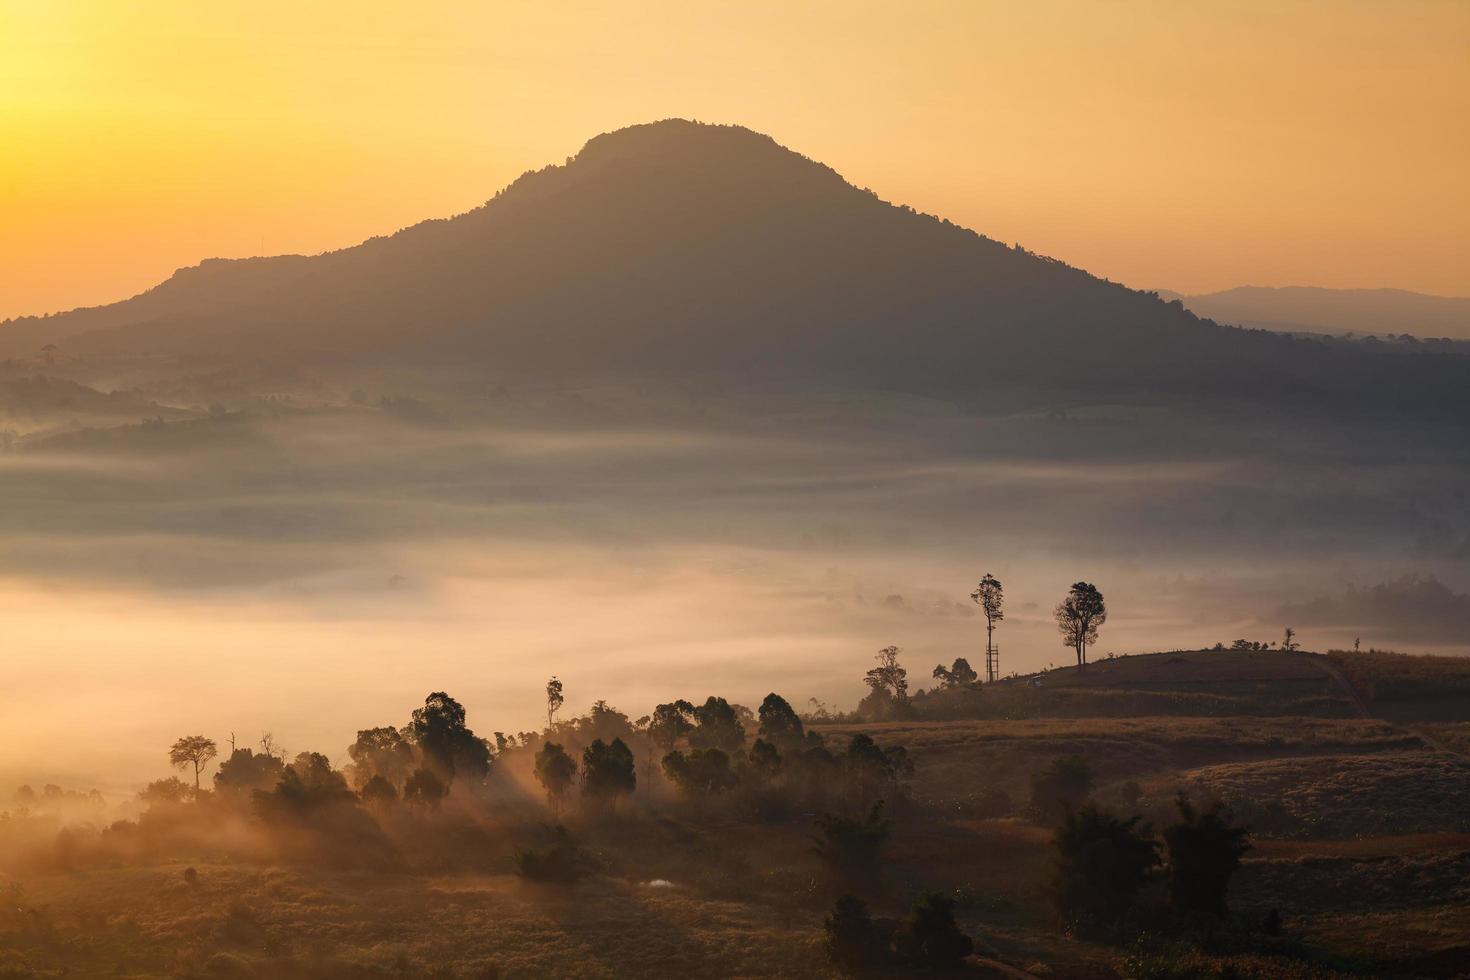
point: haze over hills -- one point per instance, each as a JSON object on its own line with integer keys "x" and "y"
{"x": 1313, "y": 309}
{"x": 675, "y": 249}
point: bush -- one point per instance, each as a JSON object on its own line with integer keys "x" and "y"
{"x": 853, "y": 942}
{"x": 852, "y": 849}
{"x": 932, "y": 937}
{"x": 1102, "y": 863}
{"x": 559, "y": 860}
{"x": 1204, "y": 851}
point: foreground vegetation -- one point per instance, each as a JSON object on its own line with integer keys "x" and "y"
{"x": 708, "y": 839}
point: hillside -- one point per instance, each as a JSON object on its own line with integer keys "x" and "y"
{"x": 675, "y": 249}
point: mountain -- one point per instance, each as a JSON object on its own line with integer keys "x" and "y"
{"x": 678, "y": 250}
{"x": 1335, "y": 311}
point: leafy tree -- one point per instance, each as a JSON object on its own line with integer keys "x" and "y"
{"x": 932, "y": 936}
{"x": 448, "y": 747}
{"x": 245, "y": 771}
{"x": 607, "y": 772}
{"x": 378, "y": 792}
{"x": 380, "y": 752}
{"x": 853, "y": 941}
{"x": 307, "y": 786}
{"x": 889, "y": 676}
{"x": 1204, "y": 851}
{"x": 960, "y": 674}
{"x": 669, "y": 723}
{"x": 990, "y": 597}
{"x": 1078, "y": 617}
{"x": 1102, "y": 862}
{"x": 1288, "y": 642}
{"x": 701, "y": 773}
{"x": 425, "y": 788}
{"x": 852, "y": 849}
{"x": 193, "y": 750}
{"x": 717, "y": 726}
{"x": 1064, "y": 784}
{"x": 555, "y": 771}
{"x": 779, "y": 724}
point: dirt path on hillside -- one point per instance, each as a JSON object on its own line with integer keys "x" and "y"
{"x": 1331, "y": 670}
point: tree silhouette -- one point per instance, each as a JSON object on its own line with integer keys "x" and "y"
{"x": 989, "y": 595}
{"x": 1078, "y": 617}
{"x": 425, "y": 788}
{"x": 717, "y": 726}
{"x": 193, "y": 750}
{"x": 449, "y": 748}
{"x": 1204, "y": 851}
{"x": 245, "y": 771}
{"x": 853, "y": 942}
{"x": 607, "y": 772}
{"x": 554, "y": 700}
{"x": 1288, "y": 642}
{"x": 852, "y": 849}
{"x": 780, "y": 725}
{"x": 888, "y": 676}
{"x": 959, "y": 674}
{"x": 380, "y": 752}
{"x": 701, "y": 773}
{"x": 378, "y": 792}
{"x": 1102, "y": 863}
{"x": 555, "y": 771}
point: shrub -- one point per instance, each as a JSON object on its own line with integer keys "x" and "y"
{"x": 853, "y": 943}
{"x": 1102, "y": 862}
{"x": 852, "y": 849}
{"x": 932, "y": 937}
{"x": 557, "y": 860}
{"x": 1204, "y": 851}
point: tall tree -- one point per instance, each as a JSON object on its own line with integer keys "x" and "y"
{"x": 554, "y": 700}
{"x": 607, "y": 771}
{"x": 1078, "y": 617}
{"x": 449, "y": 748}
{"x": 990, "y": 597}
{"x": 193, "y": 750}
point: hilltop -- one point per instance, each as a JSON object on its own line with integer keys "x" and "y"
{"x": 676, "y": 249}
{"x": 1313, "y": 309}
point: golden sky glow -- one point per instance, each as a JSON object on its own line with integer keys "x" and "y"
{"x": 1191, "y": 146}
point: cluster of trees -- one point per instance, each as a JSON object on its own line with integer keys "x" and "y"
{"x": 702, "y": 751}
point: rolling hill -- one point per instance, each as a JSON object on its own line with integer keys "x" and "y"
{"x": 677, "y": 250}
{"x": 1335, "y": 311}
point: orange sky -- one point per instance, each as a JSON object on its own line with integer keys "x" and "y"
{"x": 1191, "y": 146}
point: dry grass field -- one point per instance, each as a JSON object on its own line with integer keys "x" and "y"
{"x": 1360, "y": 828}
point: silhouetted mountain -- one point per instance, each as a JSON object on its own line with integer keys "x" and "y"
{"x": 675, "y": 249}
{"x": 1311, "y": 309}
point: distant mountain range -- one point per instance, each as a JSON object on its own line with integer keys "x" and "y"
{"x": 1309, "y": 309}
{"x": 681, "y": 250}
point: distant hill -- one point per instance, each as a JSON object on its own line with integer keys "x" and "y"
{"x": 1335, "y": 311}
{"x": 679, "y": 250}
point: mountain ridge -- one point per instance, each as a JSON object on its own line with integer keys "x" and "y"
{"x": 685, "y": 249}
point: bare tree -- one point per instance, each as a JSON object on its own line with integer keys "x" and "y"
{"x": 991, "y": 598}
{"x": 1078, "y": 617}
{"x": 554, "y": 699}
{"x": 193, "y": 750}
{"x": 1289, "y": 643}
